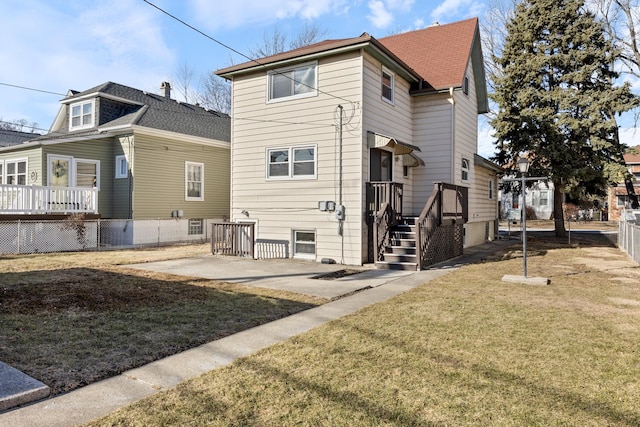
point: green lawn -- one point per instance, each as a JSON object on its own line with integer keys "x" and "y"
{"x": 465, "y": 349}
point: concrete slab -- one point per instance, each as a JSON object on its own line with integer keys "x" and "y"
{"x": 18, "y": 388}
{"x": 280, "y": 274}
{"x": 526, "y": 280}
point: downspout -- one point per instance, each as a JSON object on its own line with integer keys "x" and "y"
{"x": 453, "y": 135}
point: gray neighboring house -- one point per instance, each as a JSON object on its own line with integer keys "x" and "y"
{"x": 14, "y": 137}
{"x": 142, "y": 155}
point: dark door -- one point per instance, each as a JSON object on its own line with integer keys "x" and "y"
{"x": 380, "y": 165}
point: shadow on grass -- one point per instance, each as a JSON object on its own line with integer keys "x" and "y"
{"x": 68, "y": 328}
{"x": 506, "y": 382}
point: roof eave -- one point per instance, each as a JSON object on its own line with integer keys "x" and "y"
{"x": 369, "y": 43}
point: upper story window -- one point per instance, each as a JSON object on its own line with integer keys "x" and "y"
{"x": 293, "y": 82}
{"x": 291, "y": 163}
{"x": 194, "y": 181}
{"x": 465, "y": 170}
{"x": 81, "y": 115}
{"x": 387, "y": 85}
{"x": 490, "y": 189}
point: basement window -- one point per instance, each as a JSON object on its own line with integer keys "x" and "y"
{"x": 196, "y": 227}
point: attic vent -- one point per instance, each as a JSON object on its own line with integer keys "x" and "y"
{"x": 165, "y": 90}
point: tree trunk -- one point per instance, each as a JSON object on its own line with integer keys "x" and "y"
{"x": 558, "y": 213}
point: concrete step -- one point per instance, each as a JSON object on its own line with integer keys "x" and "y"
{"x": 19, "y": 388}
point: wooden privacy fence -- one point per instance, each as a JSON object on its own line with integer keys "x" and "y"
{"x": 235, "y": 239}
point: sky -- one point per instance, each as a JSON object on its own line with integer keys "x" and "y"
{"x": 58, "y": 45}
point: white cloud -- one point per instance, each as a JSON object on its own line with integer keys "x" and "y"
{"x": 59, "y": 45}
{"x": 380, "y": 17}
{"x": 455, "y": 8}
{"x": 238, "y": 13}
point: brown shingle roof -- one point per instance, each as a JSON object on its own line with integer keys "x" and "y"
{"x": 632, "y": 158}
{"x": 439, "y": 53}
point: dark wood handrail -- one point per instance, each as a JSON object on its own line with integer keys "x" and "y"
{"x": 447, "y": 202}
{"x": 381, "y": 229}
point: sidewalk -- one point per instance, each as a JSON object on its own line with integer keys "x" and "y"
{"x": 101, "y": 398}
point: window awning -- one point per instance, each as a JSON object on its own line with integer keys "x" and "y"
{"x": 377, "y": 140}
{"x": 412, "y": 160}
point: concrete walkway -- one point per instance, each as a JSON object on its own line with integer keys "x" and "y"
{"x": 101, "y": 398}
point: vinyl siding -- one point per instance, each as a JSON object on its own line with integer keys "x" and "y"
{"x": 281, "y": 206}
{"x": 158, "y": 170}
{"x": 122, "y": 187}
{"x": 97, "y": 149}
{"x": 484, "y": 209}
{"x": 34, "y": 162}
{"x": 393, "y": 120}
{"x": 433, "y": 116}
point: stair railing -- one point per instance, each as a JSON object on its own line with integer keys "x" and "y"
{"x": 427, "y": 223}
{"x": 447, "y": 203}
{"x": 382, "y": 223}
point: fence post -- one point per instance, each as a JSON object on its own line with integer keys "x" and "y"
{"x": 18, "y": 239}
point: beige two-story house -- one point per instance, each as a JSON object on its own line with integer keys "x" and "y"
{"x": 336, "y": 144}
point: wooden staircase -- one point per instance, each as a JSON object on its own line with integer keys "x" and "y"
{"x": 400, "y": 253}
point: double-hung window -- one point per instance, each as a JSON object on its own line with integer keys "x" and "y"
{"x": 293, "y": 82}
{"x": 16, "y": 172}
{"x": 387, "y": 85}
{"x": 81, "y": 115}
{"x": 87, "y": 173}
{"x": 491, "y": 189}
{"x": 304, "y": 244}
{"x": 194, "y": 181}
{"x": 291, "y": 163}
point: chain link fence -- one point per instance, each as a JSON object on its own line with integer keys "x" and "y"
{"x": 72, "y": 234}
{"x": 629, "y": 234}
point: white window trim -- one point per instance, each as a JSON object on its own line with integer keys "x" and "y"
{"x": 50, "y": 158}
{"x": 16, "y": 161}
{"x": 186, "y": 182}
{"x": 310, "y": 94}
{"x": 290, "y": 175}
{"x": 464, "y": 169}
{"x": 118, "y": 173}
{"x": 75, "y": 171}
{"x": 195, "y": 221}
{"x": 465, "y": 85}
{"x": 392, "y": 75}
{"x": 93, "y": 115}
{"x": 294, "y": 241}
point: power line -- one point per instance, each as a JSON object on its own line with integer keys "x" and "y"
{"x": 240, "y": 53}
{"x": 32, "y": 89}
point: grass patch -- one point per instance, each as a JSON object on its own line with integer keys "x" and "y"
{"x": 464, "y": 349}
{"x": 72, "y": 319}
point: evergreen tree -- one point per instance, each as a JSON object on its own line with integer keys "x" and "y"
{"x": 557, "y": 102}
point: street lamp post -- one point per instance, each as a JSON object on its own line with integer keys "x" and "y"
{"x": 523, "y": 166}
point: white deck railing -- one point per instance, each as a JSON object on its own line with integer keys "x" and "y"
{"x": 33, "y": 199}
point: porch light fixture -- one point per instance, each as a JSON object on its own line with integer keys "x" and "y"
{"x": 523, "y": 166}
